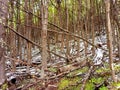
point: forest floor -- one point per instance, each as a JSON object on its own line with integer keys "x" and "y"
{"x": 82, "y": 72}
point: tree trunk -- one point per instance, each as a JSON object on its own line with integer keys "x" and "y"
{"x": 92, "y": 24}
{"x": 29, "y": 22}
{"x": 67, "y": 28}
{"x": 12, "y": 37}
{"x": 2, "y": 65}
{"x": 109, "y": 34}
{"x": 2, "y": 36}
{"x": 44, "y": 13}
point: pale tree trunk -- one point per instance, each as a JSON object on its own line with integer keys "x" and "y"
{"x": 109, "y": 34}
{"x": 67, "y": 28}
{"x": 119, "y": 44}
{"x": 3, "y": 16}
{"x": 29, "y": 22}
{"x": 44, "y": 15}
{"x": 12, "y": 37}
{"x": 79, "y": 25}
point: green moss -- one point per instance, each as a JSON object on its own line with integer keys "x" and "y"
{"x": 89, "y": 86}
{"x": 103, "y": 88}
{"x": 102, "y": 70}
{"x": 4, "y": 86}
{"x": 52, "y": 69}
{"x": 69, "y": 83}
{"x": 116, "y": 85}
{"x": 63, "y": 83}
{"x": 96, "y": 80}
{"x": 79, "y": 71}
{"x": 75, "y": 87}
{"x": 117, "y": 68}
{"x": 76, "y": 79}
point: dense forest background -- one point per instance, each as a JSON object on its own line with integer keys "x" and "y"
{"x": 59, "y": 44}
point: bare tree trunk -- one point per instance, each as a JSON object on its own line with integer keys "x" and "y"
{"x": 92, "y": 24}
{"x": 3, "y": 16}
{"x": 109, "y": 34}
{"x": 79, "y": 25}
{"x": 67, "y": 28}
{"x": 118, "y": 40}
{"x": 12, "y": 37}
{"x": 2, "y": 65}
{"x": 29, "y": 22}
{"x": 44, "y": 13}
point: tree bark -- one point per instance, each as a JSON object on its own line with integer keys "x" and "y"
{"x": 44, "y": 13}
{"x": 12, "y": 37}
{"x": 3, "y": 16}
{"x": 109, "y": 34}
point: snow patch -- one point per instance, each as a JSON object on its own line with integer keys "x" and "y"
{"x": 97, "y": 59}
